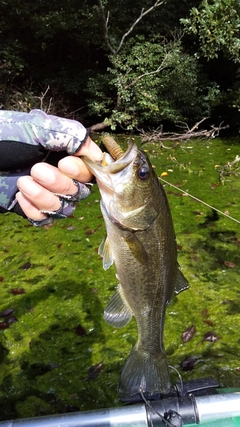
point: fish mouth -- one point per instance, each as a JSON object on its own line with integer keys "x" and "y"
{"x": 109, "y": 172}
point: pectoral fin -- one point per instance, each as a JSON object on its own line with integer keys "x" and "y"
{"x": 117, "y": 313}
{"x": 181, "y": 283}
{"x": 137, "y": 248}
{"x": 105, "y": 251}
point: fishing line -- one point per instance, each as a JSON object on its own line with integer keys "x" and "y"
{"x": 147, "y": 403}
{"x": 180, "y": 378}
{"x": 199, "y": 200}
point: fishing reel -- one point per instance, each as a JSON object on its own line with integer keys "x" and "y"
{"x": 190, "y": 403}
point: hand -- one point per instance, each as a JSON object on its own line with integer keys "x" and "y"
{"x": 36, "y": 192}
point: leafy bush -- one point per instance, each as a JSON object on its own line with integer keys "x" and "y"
{"x": 151, "y": 81}
{"x": 217, "y": 26}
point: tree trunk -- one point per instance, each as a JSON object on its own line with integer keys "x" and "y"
{"x": 98, "y": 127}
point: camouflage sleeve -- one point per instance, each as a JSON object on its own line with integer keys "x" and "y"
{"x": 38, "y": 128}
{"x": 8, "y": 189}
{"x": 28, "y": 138}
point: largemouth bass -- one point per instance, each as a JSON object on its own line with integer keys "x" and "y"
{"x": 141, "y": 243}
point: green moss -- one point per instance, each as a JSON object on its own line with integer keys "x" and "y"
{"x": 44, "y": 358}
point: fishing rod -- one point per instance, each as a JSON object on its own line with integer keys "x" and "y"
{"x": 191, "y": 403}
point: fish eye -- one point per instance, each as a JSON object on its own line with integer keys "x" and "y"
{"x": 143, "y": 173}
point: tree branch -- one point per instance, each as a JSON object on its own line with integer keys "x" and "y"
{"x": 105, "y": 27}
{"x": 106, "y": 19}
{"x": 148, "y": 73}
{"x": 158, "y": 135}
{"x": 142, "y": 14}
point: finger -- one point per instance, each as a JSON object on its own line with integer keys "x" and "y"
{"x": 52, "y": 179}
{"x": 91, "y": 150}
{"x": 74, "y": 168}
{"x": 28, "y": 208}
{"x": 37, "y": 196}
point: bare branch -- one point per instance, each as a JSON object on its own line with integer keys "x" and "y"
{"x": 158, "y": 135}
{"x": 186, "y": 128}
{"x": 196, "y": 126}
{"x": 46, "y": 108}
{"x": 148, "y": 73}
{"x": 106, "y": 19}
{"x": 105, "y": 27}
{"x": 230, "y": 169}
{"x": 142, "y": 14}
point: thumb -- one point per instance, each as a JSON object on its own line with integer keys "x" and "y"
{"x": 73, "y": 166}
{"x": 91, "y": 150}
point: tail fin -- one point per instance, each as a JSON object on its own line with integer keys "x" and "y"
{"x": 144, "y": 373}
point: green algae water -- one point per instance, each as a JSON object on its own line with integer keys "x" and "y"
{"x": 57, "y": 354}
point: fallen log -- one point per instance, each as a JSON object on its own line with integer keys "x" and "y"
{"x": 186, "y": 133}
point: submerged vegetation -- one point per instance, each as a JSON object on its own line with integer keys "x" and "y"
{"x": 57, "y": 354}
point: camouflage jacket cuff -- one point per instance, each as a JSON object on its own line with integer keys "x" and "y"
{"x": 38, "y": 128}
{"x": 8, "y": 189}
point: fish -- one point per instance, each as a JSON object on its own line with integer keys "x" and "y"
{"x": 140, "y": 241}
